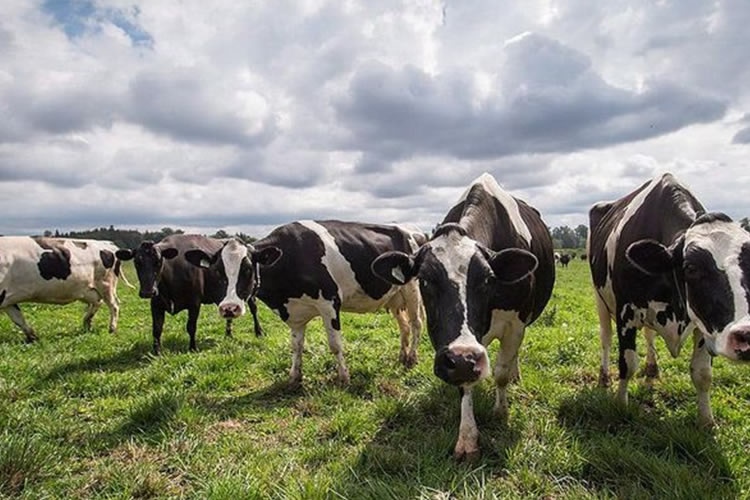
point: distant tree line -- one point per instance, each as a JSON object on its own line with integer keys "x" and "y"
{"x": 131, "y": 238}
{"x": 567, "y": 237}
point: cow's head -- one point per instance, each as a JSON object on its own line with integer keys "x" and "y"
{"x": 236, "y": 263}
{"x": 149, "y": 261}
{"x": 711, "y": 268}
{"x": 458, "y": 278}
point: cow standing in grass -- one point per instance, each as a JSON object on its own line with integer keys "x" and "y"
{"x": 320, "y": 268}
{"x": 58, "y": 271}
{"x": 659, "y": 262}
{"x": 172, "y": 284}
{"x": 486, "y": 273}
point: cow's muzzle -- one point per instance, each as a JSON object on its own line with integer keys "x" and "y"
{"x": 230, "y": 311}
{"x": 739, "y": 343}
{"x": 459, "y": 367}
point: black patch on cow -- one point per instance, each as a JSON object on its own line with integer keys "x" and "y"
{"x": 108, "y": 258}
{"x": 442, "y": 302}
{"x": 710, "y": 217}
{"x": 54, "y": 262}
{"x": 744, "y": 263}
{"x": 709, "y": 291}
{"x": 2, "y": 297}
{"x": 701, "y": 342}
{"x": 80, "y": 244}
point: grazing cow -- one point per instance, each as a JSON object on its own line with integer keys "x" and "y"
{"x": 173, "y": 284}
{"x": 565, "y": 260}
{"x": 660, "y": 262}
{"x": 58, "y": 271}
{"x": 320, "y": 268}
{"x": 584, "y": 256}
{"x": 486, "y": 273}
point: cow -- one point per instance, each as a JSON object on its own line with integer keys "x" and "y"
{"x": 172, "y": 284}
{"x": 565, "y": 260}
{"x": 486, "y": 273}
{"x": 320, "y": 268}
{"x": 583, "y": 256}
{"x": 660, "y": 262}
{"x": 557, "y": 257}
{"x": 58, "y": 271}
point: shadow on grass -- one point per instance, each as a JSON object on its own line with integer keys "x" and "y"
{"x": 128, "y": 359}
{"x": 634, "y": 454}
{"x": 412, "y": 452}
{"x": 278, "y": 394}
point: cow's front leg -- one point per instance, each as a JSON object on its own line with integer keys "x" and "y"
{"x": 700, "y": 373}
{"x": 298, "y": 345}
{"x": 628, "y": 356}
{"x": 467, "y": 446}
{"x": 192, "y": 325}
{"x": 652, "y": 368}
{"x": 403, "y": 327}
{"x": 228, "y": 328}
{"x": 15, "y": 314}
{"x": 157, "y": 324}
{"x": 506, "y": 367}
{"x": 253, "y": 306}
{"x": 333, "y": 328}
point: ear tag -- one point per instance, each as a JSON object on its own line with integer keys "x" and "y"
{"x": 205, "y": 263}
{"x": 398, "y": 274}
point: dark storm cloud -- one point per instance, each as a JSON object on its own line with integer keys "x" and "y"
{"x": 545, "y": 98}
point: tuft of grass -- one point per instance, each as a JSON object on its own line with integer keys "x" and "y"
{"x": 24, "y": 460}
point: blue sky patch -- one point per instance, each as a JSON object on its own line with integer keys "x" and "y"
{"x": 79, "y": 16}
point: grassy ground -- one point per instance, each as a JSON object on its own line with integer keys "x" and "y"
{"x": 89, "y": 415}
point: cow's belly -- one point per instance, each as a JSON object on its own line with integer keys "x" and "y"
{"x": 27, "y": 287}
{"x": 502, "y": 321}
{"x": 360, "y": 302}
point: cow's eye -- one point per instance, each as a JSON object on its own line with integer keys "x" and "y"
{"x": 692, "y": 272}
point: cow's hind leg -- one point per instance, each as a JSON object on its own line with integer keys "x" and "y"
{"x": 298, "y": 345}
{"x": 91, "y": 309}
{"x": 700, "y": 373}
{"x": 403, "y": 326}
{"x": 652, "y": 368}
{"x": 192, "y": 325}
{"x": 17, "y": 317}
{"x": 332, "y": 322}
{"x": 506, "y": 366}
{"x": 628, "y": 356}
{"x": 605, "y": 339}
{"x": 110, "y": 299}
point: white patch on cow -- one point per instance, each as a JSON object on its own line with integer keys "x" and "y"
{"x": 232, "y": 256}
{"x": 491, "y": 185}
{"x": 454, "y": 252}
{"x": 353, "y": 297}
{"x": 724, "y": 240}
{"x": 669, "y": 332}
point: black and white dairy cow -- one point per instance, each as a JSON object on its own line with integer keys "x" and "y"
{"x": 58, "y": 271}
{"x": 660, "y": 262}
{"x": 486, "y": 273}
{"x": 173, "y": 284}
{"x": 320, "y": 268}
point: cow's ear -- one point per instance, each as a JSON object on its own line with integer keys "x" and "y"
{"x": 124, "y": 254}
{"x": 650, "y": 256}
{"x": 394, "y": 267}
{"x": 169, "y": 253}
{"x": 200, "y": 258}
{"x": 513, "y": 265}
{"x": 267, "y": 256}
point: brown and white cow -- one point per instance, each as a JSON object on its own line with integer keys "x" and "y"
{"x": 58, "y": 271}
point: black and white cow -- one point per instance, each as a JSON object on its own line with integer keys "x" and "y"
{"x": 173, "y": 284}
{"x": 320, "y": 268}
{"x": 658, "y": 261}
{"x": 58, "y": 271}
{"x": 486, "y": 273}
{"x": 565, "y": 260}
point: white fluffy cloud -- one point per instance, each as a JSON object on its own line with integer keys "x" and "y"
{"x": 246, "y": 115}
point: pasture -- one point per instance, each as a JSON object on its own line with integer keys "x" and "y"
{"x": 90, "y": 415}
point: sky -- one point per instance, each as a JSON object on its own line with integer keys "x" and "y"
{"x": 247, "y": 115}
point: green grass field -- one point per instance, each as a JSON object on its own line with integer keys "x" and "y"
{"x": 90, "y": 415}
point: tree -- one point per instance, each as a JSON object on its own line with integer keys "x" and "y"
{"x": 221, "y": 234}
{"x": 564, "y": 237}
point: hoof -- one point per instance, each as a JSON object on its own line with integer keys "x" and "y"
{"x": 259, "y": 332}
{"x": 408, "y": 360}
{"x": 603, "y": 378}
{"x": 30, "y": 338}
{"x": 706, "y": 423}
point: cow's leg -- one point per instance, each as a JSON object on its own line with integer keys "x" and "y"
{"x": 506, "y": 366}
{"x": 700, "y": 372}
{"x": 17, "y": 317}
{"x": 228, "y": 328}
{"x": 298, "y": 344}
{"x": 110, "y": 298}
{"x": 332, "y": 322}
{"x": 652, "y": 368}
{"x": 91, "y": 309}
{"x": 467, "y": 445}
{"x": 628, "y": 356}
{"x": 414, "y": 313}
{"x": 192, "y": 325}
{"x": 157, "y": 324}
{"x": 403, "y": 327}
{"x": 605, "y": 338}
{"x": 253, "y": 306}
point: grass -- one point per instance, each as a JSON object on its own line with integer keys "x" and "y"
{"x": 90, "y": 415}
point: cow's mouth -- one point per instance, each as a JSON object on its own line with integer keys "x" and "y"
{"x": 740, "y": 344}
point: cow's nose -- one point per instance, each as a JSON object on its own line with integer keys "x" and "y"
{"x": 459, "y": 367}
{"x": 739, "y": 342}
{"x": 230, "y": 310}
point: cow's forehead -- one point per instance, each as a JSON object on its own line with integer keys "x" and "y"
{"x": 233, "y": 253}
{"x": 722, "y": 239}
{"x": 454, "y": 252}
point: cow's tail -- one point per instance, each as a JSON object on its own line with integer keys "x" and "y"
{"x": 120, "y": 274}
